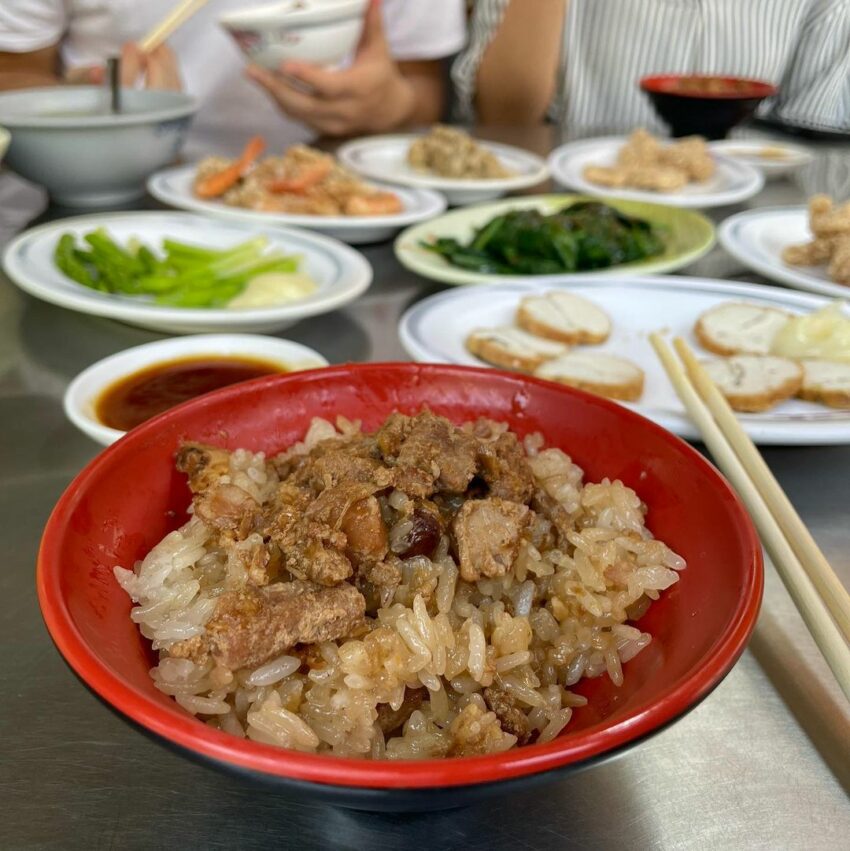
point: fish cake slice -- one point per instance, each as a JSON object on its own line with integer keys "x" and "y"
{"x": 565, "y": 317}
{"x": 754, "y": 383}
{"x": 826, "y": 382}
{"x": 596, "y": 372}
{"x": 513, "y": 348}
{"x": 737, "y": 328}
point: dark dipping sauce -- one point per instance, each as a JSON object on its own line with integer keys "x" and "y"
{"x": 144, "y": 394}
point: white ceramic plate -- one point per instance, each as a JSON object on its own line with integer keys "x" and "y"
{"x": 385, "y": 158}
{"x": 340, "y": 272}
{"x": 751, "y": 151}
{"x": 688, "y": 236}
{"x": 758, "y": 237}
{"x": 174, "y": 187}
{"x": 732, "y": 182}
{"x": 434, "y": 330}
{"x": 84, "y": 391}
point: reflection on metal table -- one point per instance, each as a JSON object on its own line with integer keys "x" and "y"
{"x": 763, "y": 762}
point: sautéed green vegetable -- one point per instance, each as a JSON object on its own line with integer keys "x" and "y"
{"x": 583, "y": 236}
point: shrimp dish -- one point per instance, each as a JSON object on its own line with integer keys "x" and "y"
{"x": 303, "y": 181}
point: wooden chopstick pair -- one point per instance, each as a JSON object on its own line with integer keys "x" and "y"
{"x": 178, "y": 16}
{"x": 816, "y": 591}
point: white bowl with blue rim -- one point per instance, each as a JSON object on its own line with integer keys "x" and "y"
{"x": 67, "y": 139}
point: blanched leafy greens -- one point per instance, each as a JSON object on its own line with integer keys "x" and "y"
{"x": 181, "y": 275}
{"x": 585, "y": 235}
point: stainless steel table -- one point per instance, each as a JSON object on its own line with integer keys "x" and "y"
{"x": 764, "y": 762}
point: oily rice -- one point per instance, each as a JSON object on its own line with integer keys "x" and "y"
{"x": 556, "y": 617}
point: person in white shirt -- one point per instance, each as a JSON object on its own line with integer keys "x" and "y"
{"x": 394, "y": 79}
{"x": 588, "y": 56}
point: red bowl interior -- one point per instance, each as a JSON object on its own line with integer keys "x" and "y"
{"x": 131, "y": 495}
{"x": 744, "y": 88}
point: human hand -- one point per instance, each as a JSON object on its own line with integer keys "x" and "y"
{"x": 370, "y": 96}
{"x": 157, "y": 69}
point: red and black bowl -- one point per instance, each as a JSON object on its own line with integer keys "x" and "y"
{"x": 130, "y": 496}
{"x": 704, "y": 104}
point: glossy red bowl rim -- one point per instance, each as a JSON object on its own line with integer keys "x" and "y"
{"x": 657, "y": 84}
{"x": 188, "y": 733}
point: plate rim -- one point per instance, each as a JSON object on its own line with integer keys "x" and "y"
{"x": 755, "y": 184}
{"x": 355, "y": 277}
{"x": 835, "y": 431}
{"x": 803, "y": 156}
{"x": 346, "y": 152}
{"x": 408, "y": 258}
{"x": 729, "y": 231}
{"x": 431, "y": 203}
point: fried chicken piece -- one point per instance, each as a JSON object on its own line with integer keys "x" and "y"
{"x": 812, "y": 253}
{"x": 613, "y": 177}
{"x": 690, "y": 155}
{"x": 827, "y": 220}
{"x": 643, "y": 162}
{"x": 657, "y": 178}
{"x": 641, "y": 149}
{"x": 839, "y": 265}
{"x": 450, "y": 152}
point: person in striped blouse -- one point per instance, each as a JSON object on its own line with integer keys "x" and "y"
{"x": 578, "y": 62}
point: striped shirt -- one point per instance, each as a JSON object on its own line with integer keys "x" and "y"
{"x": 803, "y": 46}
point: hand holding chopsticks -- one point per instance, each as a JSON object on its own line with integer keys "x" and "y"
{"x": 811, "y": 582}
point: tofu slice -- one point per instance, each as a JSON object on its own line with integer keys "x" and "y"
{"x": 512, "y": 348}
{"x": 739, "y": 329}
{"x": 755, "y": 383}
{"x": 596, "y": 372}
{"x": 827, "y": 382}
{"x": 565, "y": 317}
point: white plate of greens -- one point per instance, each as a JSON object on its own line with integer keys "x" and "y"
{"x": 185, "y": 273}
